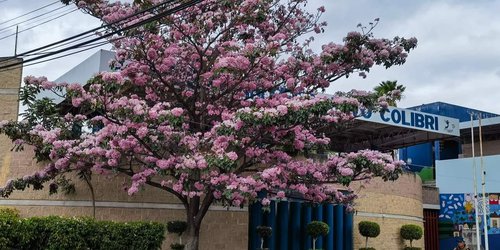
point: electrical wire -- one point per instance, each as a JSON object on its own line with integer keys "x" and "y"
{"x": 92, "y": 31}
{"x": 174, "y": 10}
{"x": 25, "y": 14}
{"x": 34, "y": 26}
{"x": 30, "y": 19}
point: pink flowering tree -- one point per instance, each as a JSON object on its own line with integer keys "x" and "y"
{"x": 213, "y": 104}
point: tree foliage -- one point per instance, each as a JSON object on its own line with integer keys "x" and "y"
{"x": 411, "y": 232}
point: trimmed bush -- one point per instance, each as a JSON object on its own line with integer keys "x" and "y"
{"x": 177, "y": 246}
{"x": 316, "y": 229}
{"x": 264, "y": 232}
{"x": 412, "y": 248}
{"x": 77, "y": 233}
{"x": 368, "y": 229}
{"x": 177, "y": 227}
{"x": 411, "y": 233}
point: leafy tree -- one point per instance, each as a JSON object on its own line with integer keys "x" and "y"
{"x": 390, "y": 88}
{"x": 368, "y": 229}
{"x": 411, "y": 233}
{"x": 316, "y": 229}
{"x": 211, "y": 104}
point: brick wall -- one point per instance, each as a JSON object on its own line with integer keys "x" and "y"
{"x": 489, "y": 148}
{"x": 391, "y": 204}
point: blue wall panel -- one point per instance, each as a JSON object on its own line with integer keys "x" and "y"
{"x": 306, "y": 219}
{"x": 318, "y": 215}
{"x": 348, "y": 231}
{"x": 283, "y": 217}
{"x": 339, "y": 227}
{"x": 329, "y": 219}
{"x": 295, "y": 217}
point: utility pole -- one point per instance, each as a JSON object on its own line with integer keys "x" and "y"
{"x": 15, "y": 45}
{"x": 474, "y": 169}
{"x": 483, "y": 183}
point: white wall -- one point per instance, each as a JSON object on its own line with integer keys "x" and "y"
{"x": 456, "y": 176}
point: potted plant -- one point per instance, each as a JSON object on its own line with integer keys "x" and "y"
{"x": 316, "y": 229}
{"x": 177, "y": 227}
{"x": 368, "y": 229}
{"x": 264, "y": 232}
{"x": 411, "y": 233}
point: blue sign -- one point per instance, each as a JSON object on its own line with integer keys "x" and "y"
{"x": 412, "y": 119}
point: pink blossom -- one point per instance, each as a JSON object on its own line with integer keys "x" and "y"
{"x": 177, "y": 112}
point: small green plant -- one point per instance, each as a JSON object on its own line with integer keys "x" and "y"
{"x": 177, "y": 227}
{"x": 264, "y": 232}
{"x": 177, "y": 246}
{"x": 368, "y": 229}
{"x": 316, "y": 229}
{"x": 412, "y": 248}
{"x": 411, "y": 233}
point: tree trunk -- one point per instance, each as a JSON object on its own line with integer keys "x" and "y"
{"x": 192, "y": 237}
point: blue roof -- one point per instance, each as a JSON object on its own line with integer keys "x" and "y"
{"x": 451, "y": 110}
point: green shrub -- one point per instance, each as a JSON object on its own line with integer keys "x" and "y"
{"x": 316, "y": 229}
{"x": 411, "y": 232}
{"x": 77, "y": 233}
{"x": 176, "y": 226}
{"x": 368, "y": 229}
{"x": 8, "y": 223}
{"x": 412, "y": 248}
{"x": 264, "y": 231}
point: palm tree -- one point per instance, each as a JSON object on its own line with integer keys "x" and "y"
{"x": 387, "y": 88}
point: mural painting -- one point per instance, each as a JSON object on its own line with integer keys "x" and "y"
{"x": 457, "y": 218}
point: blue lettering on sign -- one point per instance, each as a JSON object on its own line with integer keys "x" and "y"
{"x": 419, "y": 120}
{"x": 396, "y": 116}
{"x": 403, "y": 117}
{"x": 382, "y": 116}
{"x": 429, "y": 122}
{"x": 406, "y": 118}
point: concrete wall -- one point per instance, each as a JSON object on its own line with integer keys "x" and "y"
{"x": 489, "y": 148}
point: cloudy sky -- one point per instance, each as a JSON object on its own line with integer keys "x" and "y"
{"x": 457, "y": 59}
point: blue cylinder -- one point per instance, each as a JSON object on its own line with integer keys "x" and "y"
{"x": 272, "y": 223}
{"x": 255, "y": 220}
{"x": 339, "y": 227}
{"x": 295, "y": 233}
{"x": 348, "y": 230}
{"x": 306, "y": 219}
{"x": 318, "y": 216}
{"x": 329, "y": 219}
{"x": 283, "y": 215}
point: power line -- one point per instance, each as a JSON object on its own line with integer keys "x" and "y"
{"x": 32, "y": 18}
{"x": 42, "y": 23}
{"x": 92, "y": 31}
{"x": 25, "y": 14}
{"x": 138, "y": 24}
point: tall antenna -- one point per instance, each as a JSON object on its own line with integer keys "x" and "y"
{"x": 474, "y": 168}
{"x": 483, "y": 183}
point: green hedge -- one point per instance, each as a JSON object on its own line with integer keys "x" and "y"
{"x": 76, "y": 233}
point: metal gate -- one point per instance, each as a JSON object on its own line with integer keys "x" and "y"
{"x": 431, "y": 230}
